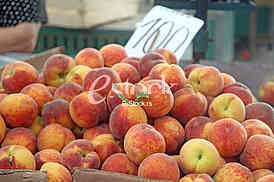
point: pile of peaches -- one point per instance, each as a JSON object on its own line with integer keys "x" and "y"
{"x": 141, "y": 116}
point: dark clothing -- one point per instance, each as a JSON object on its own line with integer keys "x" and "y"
{"x": 13, "y": 12}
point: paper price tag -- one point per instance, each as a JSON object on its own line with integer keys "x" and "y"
{"x": 163, "y": 28}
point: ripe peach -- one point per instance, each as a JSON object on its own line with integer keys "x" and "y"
{"x": 90, "y": 57}
{"x": 69, "y": 136}
{"x": 77, "y": 74}
{"x": 159, "y": 166}
{"x": 142, "y": 140}
{"x": 189, "y": 68}
{"x": 18, "y": 110}
{"x": 37, "y": 125}
{"x": 57, "y": 111}
{"x": 169, "y": 55}
{"x": 3, "y": 128}
{"x": 172, "y": 131}
{"x": 39, "y": 92}
{"x": 91, "y": 133}
{"x": 67, "y": 91}
{"x": 196, "y": 177}
{"x": 134, "y": 61}
{"x": 123, "y": 117}
{"x": 113, "y": 54}
{"x": 228, "y": 136}
{"x": 17, "y": 75}
{"x": 56, "y": 172}
{"x": 228, "y": 79}
{"x": 119, "y": 163}
{"x": 127, "y": 72}
{"x": 244, "y": 94}
{"x": 2, "y": 96}
{"x": 255, "y": 126}
{"x": 47, "y": 155}
{"x": 237, "y": 84}
{"x": 266, "y": 92}
{"x": 257, "y": 174}
{"x": 21, "y": 136}
{"x": 268, "y": 178}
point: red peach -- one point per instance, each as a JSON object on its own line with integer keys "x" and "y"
{"x": 47, "y": 155}
{"x": 196, "y": 177}
{"x": 37, "y": 125}
{"x": 113, "y": 54}
{"x": 56, "y": 172}
{"x": 127, "y": 72}
{"x": 91, "y": 133}
{"x": 189, "y": 68}
{"x": 266, "y": 92}
{"x": 244, "y": 94}
{"x": 268, "y": 178}
{"x": 69, "y": 136}
{"x": 169, "y": 55}
{"x": 3, "y": 129}
{"x": 134, "y": 61}
{"x": 67, "y": 91}
{"x": 77, "y": 74}
{"x": 228, "y": 79}
{"x": 257, "y": 174}
{"x": 90, "y": 57}
{"x": 255, "y": 126}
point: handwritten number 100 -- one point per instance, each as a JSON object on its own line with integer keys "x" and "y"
{"x": 164, "y": 43}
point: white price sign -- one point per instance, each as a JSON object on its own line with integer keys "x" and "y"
{"x": 163, "y": 28}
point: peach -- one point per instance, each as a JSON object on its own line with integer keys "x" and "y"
{"x": 198, "y": 127}
{"x": 51, "y": 137}
{"x": 80, "y": 153}
{"x": 113, "y": 54}
{"x": 227, "y": 105}
{"x": 123, "y": 117}
{"x": 56, "y": 68}
{"x": 16, "y": 157}
{"x": 128, "y": 90}
{"x": 179, "y": 163}
{"x": 199, "y": 156}
{"x": 261, "y": 111}
{"x": 77, "y": 74}
{"x": 87, "y": 109}
{"x": 47, "y": 155}
{"x": 90, "y": 57}
{"x": 233, "y": 172}
{"x": 57, "y": 111}
{"x": 268, "y": 178}
{"x": 172, "y": 131}
{"x": 67, "y": 91}
{"x": 228, "y": 136}
{"x": 37, "y": 125}
{"x": 142, "y": 140}
{"x": 196, "y": 177}
{"x": 208, "y": 80}
{"x": 69, "y": 136}
{"x": 3, "y": 128}
{"x": 21, "y": 136}
{"x": 159, "y": 100}
{"x": 266, "y": 92}
{"x": 258, "y": 153}
{"x": 56, "y": 172}
{"x": 105, "y": 145}
{"x": 18, "y": 110}
{"x": 100, "y": 80}
{"x": 91, "y": 133}
{"x": 119, "y": 163}
{"x": 255, "y": 126}
{"x": 159, "y": 166}
{"x": 17, "y": 75}
{"x": 41, "y": 78}
{"x": 257, "y": 174}
{"x": 244, "y": 94}
{"x": 189, "y": 68}
{"x": 134, "y": 61}
{"x": 172, "y": 74}
{"x": 2, "y": 96}
{"x": 228, "y": 79}
{"x": 52, "y": 89}
{"x": 127, "y": 72}
{"x": 39, "y": 92}
{"x": 189, "y": 103}
{"x": 143, "y": 80}
{"x": 148, "y": 61}
{"x": 169, "y": 55}
{"x": 237, "y": 84}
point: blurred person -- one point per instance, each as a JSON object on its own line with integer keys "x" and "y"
{"x": 20, "y": 23}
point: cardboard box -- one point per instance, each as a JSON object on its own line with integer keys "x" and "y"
{"x": 23, "y": 176}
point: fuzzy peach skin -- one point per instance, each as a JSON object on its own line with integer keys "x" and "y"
{"x": 128, "y": 90}
{"x": 159, "y": 166}
{"x": 39, "y": 92}
{"x": 160, "y": 99}
{"x": 142, "y": 140}
{"x": 134, "y": 61}
{"x": 179, "y": 163}
{"x": 69, "y": 136}
{"x": 77, "y": 74}
{"x": 51, "y": 137}
{"x": 91, "y": 133}
{"x": 87, "y": 109}
{"x": 21, "y": 136}
{"x": 100, "y": 80}
{"x": 258, "y": 153}
{"x": 227, "y": 106}
{"x": 255, "y": 126}
{"x": 113, "y": 54}
{"x": 47, "y": 155}
{"x": 67, "y": 91}
{"x": 228, "y": 79}
{"x": 257, "y": 174}
{"x": 119, "y": 163}
{"x": 16, "y": 157}
{"x": 80, "y": 153}
{"x": 172, "y": 74}
{"x": 189, "y": 103}
{"x": 173, "y": 132}
{"x": 123, "y": 117}
{"x": 169, "y": 55}
{"x": 3, "y": 128}
{"x": 17, "y": 75}
{"x": 208, "y": 80}
{"x": 268, "y": 178}
{"x": 56, "y": 172}
{"x": 233, "y": 172}
{"x": 127, "y": 72}
{"x": 198, "y": 127}
{"x": 244, "y": 94}
{"x": 90, "y": 57}
{"x": 266, "y": 92}
{"x": 56, "y": 68}
{"x": 229, "y": 137}
{"x": 37, "y": 125}
{"x": 18, "y": 110}
{"x": 189, "y": 68}
{"x": 105, "y": 145}
{"x": 199, "y": 156}
{"x": 57, "y": 111}
{"x": 197, "y": 177}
